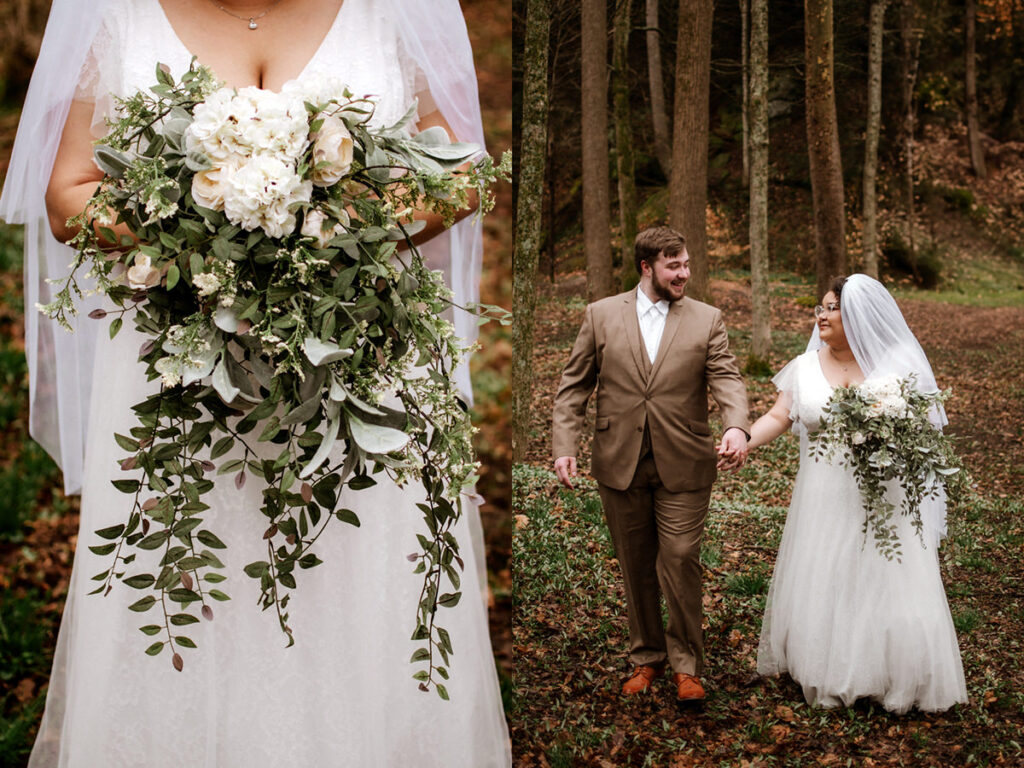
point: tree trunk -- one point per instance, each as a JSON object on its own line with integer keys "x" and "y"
{"x": 594, "y": 127}
{"x": 528, "y": 215}
{"x": 876, "y": 27}
{"x": 659, "y": 117}
{"x": 623, "y": 131}
{"x": 971, "y": 90}
{"x": 688, "y": 195}
{"x": 745, "y": 54}
{"x": 761, "y": 341}
{"x": 823, "y": 144}
{"x": 910, "y": 44}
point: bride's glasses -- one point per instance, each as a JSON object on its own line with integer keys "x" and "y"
{"x": 820, "y": 310}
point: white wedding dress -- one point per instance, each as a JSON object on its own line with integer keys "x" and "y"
{"x": 343, "y": 695}
{"x": 843, "y": 621}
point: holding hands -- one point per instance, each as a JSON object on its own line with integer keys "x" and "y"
{"x": 733, "y": 449}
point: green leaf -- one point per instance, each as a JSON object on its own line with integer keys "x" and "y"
{"x": 126, "y": 486}
{"x": 216, "y": 594}
{"x": 142, "y": 605}
{"x": 257, "y": 569}
{"x": 184, "y": 642}
{"x": 154, "y": 540}
{"x": 441, "y": 691}
{"x": 183, "y": 596}
{"x": 127, "y": 443}
{"x": 210, "y": 540}
{"x": 347, "y": 516}
{"x": 173, "y": 275}
{"x": 141, "y": 581}
{"x": 449, "y": 599}
{"x": 362, "y": 482}
{"x": 103, "y": 549}
{"x": 214, "y": 578}
{"x": 110, "y": 533}
{"x": 150, "y": 629}
{"x": 155, "y": 648}
{"x": 221, "y": 447}
{"x": 420, "y": 654}
{"x": 183, "y": 619}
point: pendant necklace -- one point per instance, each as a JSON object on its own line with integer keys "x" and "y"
{"x": 839, "y": 362}
{"x": 251, "y": 19}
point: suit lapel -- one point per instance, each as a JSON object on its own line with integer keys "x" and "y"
{"x": 672, "y": 324}
{"x": 631, "y": 326}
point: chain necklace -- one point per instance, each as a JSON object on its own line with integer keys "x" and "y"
{"x": 251, "y": 19}
{"x": 838, "y": 361}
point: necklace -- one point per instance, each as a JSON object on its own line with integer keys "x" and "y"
{"x": 839, "y": 362}
{"x": 251, "y": 19}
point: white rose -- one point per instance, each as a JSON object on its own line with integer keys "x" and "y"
{"x": 210, "y": 186}
{"x": 315, "y": 225}
{"x": 332, "y": 145}
{"x": 142, "y": 275}
{"x": 858, "y": 438}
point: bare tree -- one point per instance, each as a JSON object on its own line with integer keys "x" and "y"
{"x": 910, "y": 44}
{"x": 688, "y": 194}
{"x": 823, "y": 143}
{"x": 745, "y": 85}
{"x": 594, "y": 87}
{"x": 528, "y": 214}
{"x": 876, "y": 27}
{"x": 760, "y": 293}
{"x": 623, "y": 130}
{"x": 971, "y": 89}
{"x": 659, "y": 116}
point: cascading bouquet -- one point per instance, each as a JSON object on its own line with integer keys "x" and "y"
{"x": 882, "y": 431}
{"x": 265, "y": 271}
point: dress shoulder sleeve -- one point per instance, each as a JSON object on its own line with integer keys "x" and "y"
{"x": 787, "y": 381}
{"x": 99, "y": 80}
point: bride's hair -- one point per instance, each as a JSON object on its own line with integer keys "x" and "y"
{"x": 837, "y": 286}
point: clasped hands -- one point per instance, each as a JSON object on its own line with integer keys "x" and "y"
{"x": 732, "y": 452}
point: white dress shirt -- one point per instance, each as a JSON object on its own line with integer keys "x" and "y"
{"x": 652, "y": 321}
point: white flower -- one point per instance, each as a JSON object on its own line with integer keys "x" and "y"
{"x": 207, "y": 283}
{"x": 210, "y": 186}
{"x": 261, "y": 192}
{"x": 332, "y": 152}
{"x": 142, "y": 275}
{"x": 169, "y": 369}
{"x": 858, "y": 438}
{"x": 316, "y": 225}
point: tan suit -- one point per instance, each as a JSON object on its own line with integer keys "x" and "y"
{"x": 653, "y": 456}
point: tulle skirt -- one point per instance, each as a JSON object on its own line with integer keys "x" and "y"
{"x": 343, "y": 695}
{"x": 846, "y": 623}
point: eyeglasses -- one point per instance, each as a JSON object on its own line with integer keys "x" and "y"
{"x": 819, "y": 310}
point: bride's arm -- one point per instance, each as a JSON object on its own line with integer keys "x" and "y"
{"x": 75, "y": 176}
{"x": 772, "y": 424}
{"x": 434, "y": 222}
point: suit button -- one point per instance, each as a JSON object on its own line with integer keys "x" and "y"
{"x": 639, "y": 429}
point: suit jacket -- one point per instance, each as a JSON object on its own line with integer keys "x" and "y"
{"x": 670, "y": 396}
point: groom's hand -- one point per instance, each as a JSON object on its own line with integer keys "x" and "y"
{"x": 733, "y": 449}
{"x": 565, "y": 468}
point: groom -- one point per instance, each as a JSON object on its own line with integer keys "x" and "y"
{"x": 653, "y": 355}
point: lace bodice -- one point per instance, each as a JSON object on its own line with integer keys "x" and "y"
{"x": 361, "y": 48}
{"x": 803, "y": 381}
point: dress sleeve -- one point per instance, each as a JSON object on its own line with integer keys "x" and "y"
{"x": 787, "y": 382}
{"x": 97, "y": 82}
{"x": 416, "y": 85}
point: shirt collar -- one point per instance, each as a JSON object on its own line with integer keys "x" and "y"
{"x": 644, "y": 304}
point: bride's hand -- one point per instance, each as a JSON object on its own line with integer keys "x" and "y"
{"x": 732, "y": 449}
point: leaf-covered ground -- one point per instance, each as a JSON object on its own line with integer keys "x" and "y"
{"x": 570, "y": 627}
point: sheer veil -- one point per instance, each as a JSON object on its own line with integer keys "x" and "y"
{"x": 883, "y": 344}
{"x": 60, "y": 364}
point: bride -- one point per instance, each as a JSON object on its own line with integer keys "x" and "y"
{"x": 344, "y": 694}
{"x": 842, "y": 620}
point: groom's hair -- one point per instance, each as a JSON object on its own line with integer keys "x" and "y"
{"x": 654, "y": 240}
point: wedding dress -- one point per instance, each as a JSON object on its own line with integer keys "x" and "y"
{"x": 343, "y": 695}
{"x": 843, "y": 621}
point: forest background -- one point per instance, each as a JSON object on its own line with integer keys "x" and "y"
{"x": 759, "y": 144}
{"x": 39, "y": 525}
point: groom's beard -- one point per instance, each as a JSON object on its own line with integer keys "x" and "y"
{"x": 667, "y": 291}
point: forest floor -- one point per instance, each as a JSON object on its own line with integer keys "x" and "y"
{"x": 569, "y": 617}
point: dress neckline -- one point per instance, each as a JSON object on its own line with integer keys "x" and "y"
{"x": 316, "y": 54}
{"x": 821, "y": 370}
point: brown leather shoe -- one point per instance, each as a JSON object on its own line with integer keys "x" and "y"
{"x": 689, "y": 691}
{"x": 640, "y": 680}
